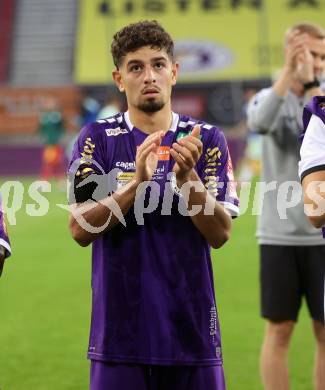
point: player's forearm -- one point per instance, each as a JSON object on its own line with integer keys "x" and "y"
{"x": 282, "y": 84}
{"x": 314, "y": 198}
{"x": 216, "y": 227}
{"x": 210, "y": 217}
{"x": 89, "y": 222}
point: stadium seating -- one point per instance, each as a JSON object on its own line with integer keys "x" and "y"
{"x": 44, "y": 41}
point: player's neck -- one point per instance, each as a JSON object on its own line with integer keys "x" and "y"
{"x": 151, "y": 122}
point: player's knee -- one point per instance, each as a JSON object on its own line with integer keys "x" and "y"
{"x": 319, "y": 331}
{"x": 280, "y": 333}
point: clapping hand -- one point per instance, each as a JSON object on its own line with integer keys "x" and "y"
{"x": 147, "y": 157}
{"x": 186, "y": 153}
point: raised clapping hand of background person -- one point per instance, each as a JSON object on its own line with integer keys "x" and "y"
{"x": 186, "y": 153}
{"x": 304, "y": 65}
{"x": 298, "y": 59}
{"x": 298, "y": 64}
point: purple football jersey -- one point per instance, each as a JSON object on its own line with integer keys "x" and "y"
{"x": 153, "y": 296}
{"x": 315, "y": 106}
{"x": 4, "y": 239}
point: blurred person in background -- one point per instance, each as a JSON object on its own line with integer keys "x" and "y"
{"x": 5, "y": 249}
{"x": 51, "y": 129}
{"x": 89, "y": 109}
{"x": 111, "y": 107}
{"x": 292, "y": 252}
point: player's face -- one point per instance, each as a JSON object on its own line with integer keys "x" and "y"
{"x": 316, "y": 47}
{"x": 147, "y": 76}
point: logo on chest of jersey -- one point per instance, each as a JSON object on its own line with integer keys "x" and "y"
{"x": 182, "y": 134}
{"x": 126, "y": 165}
{"x": 163, "y": 153}
{"x": 115, "y": 132}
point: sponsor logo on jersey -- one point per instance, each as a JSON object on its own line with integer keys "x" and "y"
{"x": 115, "y": 132}
{"x": 124, "y": 178}
{"x": 87, "y": 154}
{"x": 159, "y": 173}
{"x": 127, "y": 165}
{"x": 212, "y": 160}
{"x": 86, "y": 159}
{"x": 213, "y": 322}
{"x": 163, "y": 153}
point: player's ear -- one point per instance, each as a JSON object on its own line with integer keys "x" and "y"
{"x": 117, "y": 77}
{"x": 175, "y": 66}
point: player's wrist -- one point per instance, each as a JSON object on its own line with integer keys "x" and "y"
{"x": 287, "y": 73}
{"x": 134, "y": 184}
{"x": 283, "y": 82}
{"x": 311, "y": 83}
{"x": 140, "y": 178}
{"x": 185, "y": 177}
{"x": 180, "y": 181}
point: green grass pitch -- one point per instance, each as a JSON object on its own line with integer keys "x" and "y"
{"x": 45, "y": 308}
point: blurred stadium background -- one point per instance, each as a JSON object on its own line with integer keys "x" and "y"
{"x": 60, "y": 50}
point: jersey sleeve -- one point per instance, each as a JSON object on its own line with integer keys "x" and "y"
{"x": 217, "y": 171}
{"x": 4, "y": 239}
{"x": 312, "y": 152}
{"x": 87, "y": 165}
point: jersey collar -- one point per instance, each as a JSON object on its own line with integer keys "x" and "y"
{"x": 173, "y": 127}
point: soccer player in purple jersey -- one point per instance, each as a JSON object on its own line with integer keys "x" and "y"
{"x": 5, "y": 249}
{"x": 312, "y": 169}
{"x": 154, "y": 319}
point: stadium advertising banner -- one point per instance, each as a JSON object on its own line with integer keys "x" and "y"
{"x": 215, "y": 39}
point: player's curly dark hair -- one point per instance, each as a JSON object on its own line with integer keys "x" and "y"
{"x": 136, "y": 35}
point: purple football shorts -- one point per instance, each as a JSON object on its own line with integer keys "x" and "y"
{"x": 115, "y": 376}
